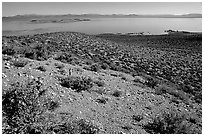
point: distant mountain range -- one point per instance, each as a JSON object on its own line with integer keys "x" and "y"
{"x": 32, "y": 16}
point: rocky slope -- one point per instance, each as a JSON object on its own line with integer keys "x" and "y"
{"x": 77, "y": 83}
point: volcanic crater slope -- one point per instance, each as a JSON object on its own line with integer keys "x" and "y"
{"x": 69, "y": 83}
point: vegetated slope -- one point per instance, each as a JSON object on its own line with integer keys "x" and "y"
{"x": 175, "y": 58}
{"x": 77, "y": 83}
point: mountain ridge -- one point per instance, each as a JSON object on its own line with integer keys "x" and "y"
{"x": 190, "y": 15}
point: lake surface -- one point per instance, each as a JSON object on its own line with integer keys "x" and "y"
{"x": 106, "y": 25}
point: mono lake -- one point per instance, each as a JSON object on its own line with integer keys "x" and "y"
{"x": 106, "y": 25}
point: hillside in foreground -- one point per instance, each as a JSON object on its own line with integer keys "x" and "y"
{"x": 69, "y": 82}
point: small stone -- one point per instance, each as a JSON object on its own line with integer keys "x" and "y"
{"x": 4, "y": 75}
{"x": 7, "y": 67}
{"x": 8, "y": 64}
{"x": 19, "y": 74}
{"x": 121, "y": 132}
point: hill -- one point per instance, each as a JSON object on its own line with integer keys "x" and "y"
{"x": 68, "y": 82}
{"x": 66, "y": 17}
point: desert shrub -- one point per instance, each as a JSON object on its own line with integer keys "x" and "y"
{"x": 98, "y": 90}
{"x": 77, "y": 126}
{"x": 42, "y": 53}
{"x": 24, "y": 112}
{"x": 151, "y": 82}
{"x": 127, "y": 127}
{"x": 179, "y": 94}
{"x": 87, "y": 68}
{"x": 175, "y": 100}
{"x": 198, "y": 98}
{"x": 162, "y": 89}
{"x": 137, "y": 117}
{"x": 102, "y": 100}
{"x": 64, "y": 57}
{"x": 77, "y": 83}
{"x": 8, "y": 50}
{"x": 7, "y": 58}
{"x": 41, "y": 68}
{"x": 59, "y": 65}
{"x": 125, "y": 70}
{"x": 38, "y": 52}
{"x": 22, "y": 105}
{"x": 30, "y": 54}
{"x": 20, "y": 63}
{"x": 88, "y": 62}
{"x": 62, "y": 71}
{"x": 52, "y": 105}
{"x": 114, "y": 67}
{"x": 196, "y": 93}
{"x": 104, "y": 66}
{"x": 99, "y": 83}
{"x": 170, "y": 122}
{"x": 95, "y": 67}
{"x": 74, "y": 60}
{"x": 117, "y": 93}
{"x": 138, "y": 79}
{"x": 186, "y": 88}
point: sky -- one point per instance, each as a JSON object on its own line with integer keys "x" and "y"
{"x": 48, "y": 8}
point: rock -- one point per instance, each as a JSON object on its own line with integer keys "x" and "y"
{"x": 4, "y": 75}
{"x": 8, "y": 64}
{"x": 19, "y": 74}
{"x": 7, "y": 67}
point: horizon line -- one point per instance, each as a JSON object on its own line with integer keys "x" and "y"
{"x": 100, "y": 14}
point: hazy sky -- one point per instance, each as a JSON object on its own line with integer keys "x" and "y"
{"x": 12, "y": 8}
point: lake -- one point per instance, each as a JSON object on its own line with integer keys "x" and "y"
{"x": 106, "y": 25}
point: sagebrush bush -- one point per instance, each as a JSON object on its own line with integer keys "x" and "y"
{"x": 198, "y": 98}
{"x": 99, "y": 90}
{"x": 8, "y": 50}
{"x": 104, "y": 66}
{"x": 24, "y": 112}
{"x": 77, "y": 126}
{"x": 163, "y": 89}
{"x": 102, "y": 100}
{"x": 169, "y": 122}
{"x": 41, "y": 68}
{"x": 99, "y": 83}
{"x": 64, "y": 57}
{"x": 95, "y": 67}
{"x": 59, "y": 65}
{"x": 117, "y": 93}
{"x": 151, "y": 82}
{"x": 22, "y": 105}
{"x": 42, "y": 53}
{"x": 137, "y": 117}
{"x": 6, "y": 57}
{"x": 30, "y": 53}
{"x": 20, "y": 62}
{"x": 77, "y": 83}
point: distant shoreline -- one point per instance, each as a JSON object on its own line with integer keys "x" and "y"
{"x": 41, "y": 21}
{"x": 191, "y": 15}
{"x": 42, "y": 31}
